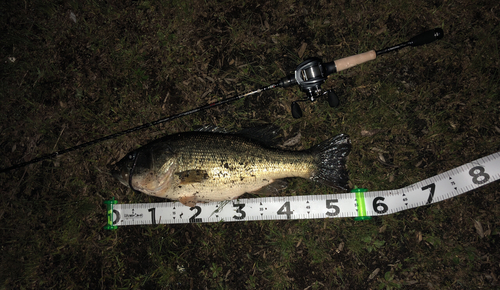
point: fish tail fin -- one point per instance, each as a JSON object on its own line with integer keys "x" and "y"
{"x": 330, "y": 159}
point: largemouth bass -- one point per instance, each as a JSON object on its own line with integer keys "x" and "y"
{"x": 203, "y": 166}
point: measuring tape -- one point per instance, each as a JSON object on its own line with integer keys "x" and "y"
{"x": 359, "y": 204}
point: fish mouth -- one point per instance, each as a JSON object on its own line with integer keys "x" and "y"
{"x": 120, "y": 175}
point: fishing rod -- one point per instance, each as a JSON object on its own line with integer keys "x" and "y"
{"x": 309, "y": 76}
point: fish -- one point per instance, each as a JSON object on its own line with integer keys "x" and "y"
{"x": 195, "y": 166}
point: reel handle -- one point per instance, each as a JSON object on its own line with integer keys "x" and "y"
{"x": 296, "y": 111}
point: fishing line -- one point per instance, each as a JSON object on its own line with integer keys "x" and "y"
{"x": 359, "y": 203}
{"x": 309, "y": 76}
{"x": 131, "y": 171}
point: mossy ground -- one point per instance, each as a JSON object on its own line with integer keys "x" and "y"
{"x": 411, "y": 114}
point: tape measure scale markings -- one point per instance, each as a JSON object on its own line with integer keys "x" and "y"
{"x": 359, "y": 204}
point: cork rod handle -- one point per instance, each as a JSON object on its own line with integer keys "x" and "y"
{"x": 353, "y": 60}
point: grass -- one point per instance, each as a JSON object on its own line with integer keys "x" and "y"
{"x": 425, "y": 110}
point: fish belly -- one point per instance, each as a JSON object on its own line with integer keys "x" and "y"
{"x": 225, "y": 184}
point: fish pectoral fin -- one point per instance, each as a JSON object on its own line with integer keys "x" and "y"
{"x": 192, "y": 176}
{"x": 188, "y": 200}
{"x": 272, "y": 189}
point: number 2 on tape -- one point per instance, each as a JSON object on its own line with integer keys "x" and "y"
{"x": 194, "y": 218}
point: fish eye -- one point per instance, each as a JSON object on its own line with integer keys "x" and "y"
{"x": 131, "y": 156}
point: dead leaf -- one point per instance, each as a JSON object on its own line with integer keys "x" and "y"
{"x": 293, "y": 141}
{"x": 340, "y": 247}
{"x": 479, "y": 228}
{"x": 374, "y": 273}
{"x": 72, "y": 16}
{"x": 302, "y": 49}
{"x": 378, "y": 150}
{"x": 381, "y": 30}
{"x": 368, "y": 133}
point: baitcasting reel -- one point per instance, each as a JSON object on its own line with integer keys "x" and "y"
{"x": 310, "y": 75}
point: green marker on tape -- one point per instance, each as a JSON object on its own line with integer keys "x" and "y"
{"x": 109, "y": 213}
{"x": 360, "y": 199}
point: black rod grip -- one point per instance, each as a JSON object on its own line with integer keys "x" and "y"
{"x": 330, "y": 68}
{"x": 427, "y": 37}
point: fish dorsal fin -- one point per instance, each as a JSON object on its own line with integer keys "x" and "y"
{"x": 192, "y": 176}
{"x": 268, "y": 135}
